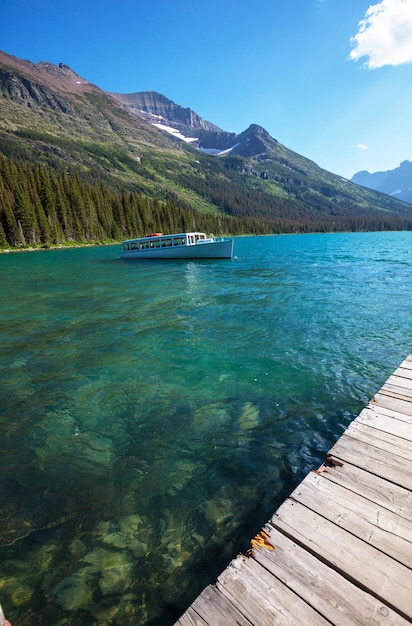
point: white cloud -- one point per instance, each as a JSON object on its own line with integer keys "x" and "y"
{"x": 362, "y": 146}
{"x": 385, "y": 34}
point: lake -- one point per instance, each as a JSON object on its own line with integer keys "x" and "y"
{"x": 156, "y": 413}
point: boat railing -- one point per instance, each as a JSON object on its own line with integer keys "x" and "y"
{"x": 210, "y": 239}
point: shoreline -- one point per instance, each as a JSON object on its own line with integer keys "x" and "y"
{"x": 57, "y": 247}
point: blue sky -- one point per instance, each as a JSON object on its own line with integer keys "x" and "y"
{"x": 330, "y": 79}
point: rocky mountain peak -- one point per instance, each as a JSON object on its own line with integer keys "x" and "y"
{"x": 185, "y": 124}
{"x": 159, "y": 110}
{"x": 40, "y": 76}
{"x": 258, "y": 131}
{"x": 254, "y": 141}
{"x": 396, "y": 183}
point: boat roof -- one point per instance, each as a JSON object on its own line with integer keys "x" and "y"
{"x": 158, "y": 236}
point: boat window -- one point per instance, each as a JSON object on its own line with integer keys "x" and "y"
{"x": 126, "y": 247}
{"x": 178, "y": 241}
{"x": 166, "y": 243}
{"x": 144, "y": 245}
{"x": 134, "y": 245}
{"x": 155, "y": 243}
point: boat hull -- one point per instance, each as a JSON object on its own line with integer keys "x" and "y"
{"x": 209, "y": 250}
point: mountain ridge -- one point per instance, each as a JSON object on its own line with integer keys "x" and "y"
{"x": 166, "y": 115}
{"x": 396, "y": 182}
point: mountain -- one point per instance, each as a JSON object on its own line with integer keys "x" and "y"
{"x": 117, "y": 164}
{"x": 185, "y": 124}
{"x": 396, "y": 183}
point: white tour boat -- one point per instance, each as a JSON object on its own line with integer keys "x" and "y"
{"x": 179, "y": 246}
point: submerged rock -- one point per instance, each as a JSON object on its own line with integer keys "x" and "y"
{"x": 210, "y": 417}
{"x": 249, "y": 417}
{"x": 45, "y": 555}
{"x": 21, "y": 595}
{"x": 71, "y": 593}
{"x": 126, "y": 534}
{"x": 116, "y": 580}
{"x": 101, "y": 560}
{"x": 77, "y": 548}
{"x": 93, "y": 450}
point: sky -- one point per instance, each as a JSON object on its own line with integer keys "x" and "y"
{"x": 329, "y": 79}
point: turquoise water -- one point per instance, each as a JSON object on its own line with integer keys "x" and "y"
{"x": 154, "y": 414}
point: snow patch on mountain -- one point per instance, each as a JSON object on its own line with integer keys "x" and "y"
{"x": 159, "y": 117}
{"x": 176, "y": 133}
{"x": 216, "y": 151}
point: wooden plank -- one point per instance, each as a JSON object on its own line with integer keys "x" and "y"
{"x": 191, "y": 618}
{"x": 391, "y": 401}
{"x": 381, "y": 410}
{"x": 393, "y": 468}
{"x": 375, "y": 572}
{"x": 394, "y": 386}
{"x": 386, "y": 423}
{"x": 386, "y": 494}
{"x": 401, "y": 381}
{"x": 398, "y": 446}
{"x": 404, "y": 372}
{"x": 213, "y": 608}
{"x": 390, "y": 449}
{"x": 364, "y": 519}
{"x": 263, "y": 598}
{"x": 332, "y": 595}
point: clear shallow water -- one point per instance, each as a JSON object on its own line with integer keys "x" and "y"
{"x": 154, "y": 414}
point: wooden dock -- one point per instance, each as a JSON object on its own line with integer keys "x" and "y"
{"x": 339, "y": 549}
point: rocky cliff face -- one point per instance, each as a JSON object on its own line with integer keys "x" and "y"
{"x": 157, "y": 109}
{"x": 57, "y": 77}
{"x": 48, "y": 98}
{"x": 34, "y": 95}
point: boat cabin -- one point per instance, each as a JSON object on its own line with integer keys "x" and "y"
{"x": 158, "y": 240}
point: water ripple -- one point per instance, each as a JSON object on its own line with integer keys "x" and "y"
{"x": 155, "y": 414}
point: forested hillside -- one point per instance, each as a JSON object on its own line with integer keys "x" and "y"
{"x": 40, "y": 208}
